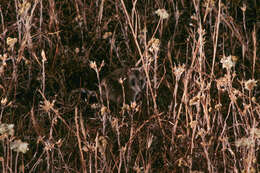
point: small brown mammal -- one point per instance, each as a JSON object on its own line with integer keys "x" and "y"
{"x": 133, "y": 85}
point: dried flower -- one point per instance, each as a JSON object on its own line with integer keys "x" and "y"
{"x": 202, "y": 132}
{"x": 149, "y": 140}
{"x": 162, "y": 13}
{"x": 104, "y": 110}
{"x": 246, "y": 108}
{"x": 195, "y": 100}
{"x": 250, "y": 84}
{"x": 255, "y": 132}
{"x": 227, "y": 62}
{"x": 3, "y": 57}
{"x": 93, "y": 65}
{"x": 3, "y": 101}
{"x": 47, "y": 105}
{"x": 236, "y": 92}
{"x": 43, "y": 56}
{"x": 24, "y": 7}
{"x": 79, "y": 18}
{"x": 245, "y": 142}
{"x": 243, "y": 8}
{"x": 11, "y": 42}
{"x": 154, "y": 45}
{"x": 208, "y": 4}
{"x": 107, "y": 35}
{"x": 126, "y": 107}
{"x": 121, "y": 81}
{"x": 77, "y": 50}
{"x": 134, "y": 106}
{"x": 193, "y": 17}
{"x": 89, "y": 147}
{"x": 49, "y": 145}
{"x": 19, "y": 146}
{"x": 114, "y": 123}
{"x": 178, "y": 71}
{"x": 218, "y": 106}
{"x": 193, "y": 124}
{"x": 7, "y": 129}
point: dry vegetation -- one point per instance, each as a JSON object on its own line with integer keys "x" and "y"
{"x": 201, "y": 108}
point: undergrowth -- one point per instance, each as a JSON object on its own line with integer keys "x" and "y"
{"x": 200, "y": 109}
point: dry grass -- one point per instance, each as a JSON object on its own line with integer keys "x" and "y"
{"x": 200, "y": 111}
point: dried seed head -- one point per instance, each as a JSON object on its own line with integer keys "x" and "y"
{"x": 227, "y": 62}
{"x": 93, "y": 65}
{"x": 11, "y": 42}
{"x": 250, "y": 84}
{"x": 162, "y": 13}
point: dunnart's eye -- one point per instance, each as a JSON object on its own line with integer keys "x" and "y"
{"x": 132, "y": 82}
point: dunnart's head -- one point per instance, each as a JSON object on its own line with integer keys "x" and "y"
{"x": 136, "y": 82}
{"x": 133, "y": 84}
